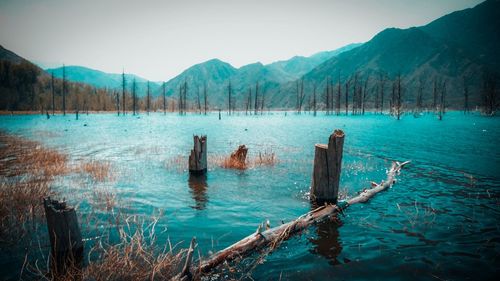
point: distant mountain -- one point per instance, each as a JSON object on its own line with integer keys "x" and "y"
{"x": 475, "y": 31}
{"x": 7, "y": 55}
{"x": 439, "y": 50}
{"x": 217, "y": 74}
{"x": 299, "y": 65}
{"x": 94, "y": 77}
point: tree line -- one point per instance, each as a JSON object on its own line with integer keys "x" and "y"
{"x": 26, "y": 87}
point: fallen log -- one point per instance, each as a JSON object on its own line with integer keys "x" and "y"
{"x": 274, "y": 236}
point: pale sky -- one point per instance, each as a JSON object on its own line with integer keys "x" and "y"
{"x": 159, "y": 39}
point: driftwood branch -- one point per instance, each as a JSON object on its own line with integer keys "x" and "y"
{"x": 274, "y": 236}
{"x": 186, "y": 270}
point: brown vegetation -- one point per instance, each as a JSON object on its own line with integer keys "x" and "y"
{"x": 98, "y": 171}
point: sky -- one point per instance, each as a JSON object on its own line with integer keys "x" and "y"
{"x": 158, "y": 40}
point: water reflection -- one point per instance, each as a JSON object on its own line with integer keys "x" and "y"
{"x": 326, "y": 243}
{"x": 198, "y": 185}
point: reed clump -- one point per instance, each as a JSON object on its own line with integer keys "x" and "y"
{"x": 97, "y": 170}
{"x": 266, "y": 158}
{"x": 26, "y": 170}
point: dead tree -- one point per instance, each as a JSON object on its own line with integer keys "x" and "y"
{"x": 205, "y": 97}
{"x": 382, "y": 92}
{"x": 327, "y": 168}
{"x": 134, "y": 97}
{"x": 354, "y": 94}
{"x": 363, "y": 97}
{"x": 347, "y": 84}
{"x": 418, "y": 100}
{"x": 53, "y": 92}
{"x": 327, "y": 96}
{"x": 164, "y": 99}
{"x": 442, "y": 101}
{"x": 65, "y": 237}
{"x": 198, "y": 156}
{"x": 398, "y": 97}
{"x": 117, "y": 97}
{"x": 435, "y": 95}
{"x": 249, "y": 100}
{"x": 262, "y": 103}
{"x": 300, "y": 95}
{"x": 123, "y": 92}
{"x": 198, "y": 97}
{"x": 229, "y": 103}
{"x": 339, "y": 94}
{"x": 489, "y": 94}
{"x": 466, "y": 95}
{"x": 256, "y": 101}
{"x": 64, "y": 91}
{"x": 314, "y": 99}
{"x": 148, "y": 99}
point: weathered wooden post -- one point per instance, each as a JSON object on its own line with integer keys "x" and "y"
{"x": 65, "y": 236}
{"x": 198, "y": 156}
{"x": 327, "y": 167}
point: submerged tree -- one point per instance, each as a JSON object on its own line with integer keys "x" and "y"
{"x": 205, "y": 97}
{"x": 123, "y": 92}
{"x": 466, "y": 95}
{"x": 256, "y": 98}
{"x": 442, "y": 101}
{"x": 249, "y": 101}
{"x": 300, "y": 95}
{"x": 53, "y": 92}
{"x": 419, "y": 97}
{"x": 148, "y": 101}
{"x": 64, "y": 90}
{"x": 489, "y": 94}
{"x": 134, "y": 98}
{"x": 339, "y": 94}
{"x": 314, "y": 99}
{"x": 229, "y": 102}
{"x": 347, "y": 84}
{"x": 397, "y": 95}
{"x": 164, "y": 99}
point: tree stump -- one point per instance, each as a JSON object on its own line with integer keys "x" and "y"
{"x": 327, "y": 168}
{"x": 238, "y": 158}
{"x": 65, "y": 236}
{"x": 198, "y": 156}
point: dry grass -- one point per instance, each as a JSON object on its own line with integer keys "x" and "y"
{"x": 26, "y": 170}
{"x": 97, "y": 170}
{"x": 266, "y": 158}
{"x": 136, "y": 256}
{"x": 19, "y": 156}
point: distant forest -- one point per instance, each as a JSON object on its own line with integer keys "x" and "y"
{"x": 25, "y": 87}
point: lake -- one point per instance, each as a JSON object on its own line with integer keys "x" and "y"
{"x": 440, "y": 221}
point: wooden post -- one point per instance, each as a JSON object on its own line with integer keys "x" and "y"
{"x": 327, "y": 168}
{"x": 198, "y": 156}
{"x": 65, "y": 236}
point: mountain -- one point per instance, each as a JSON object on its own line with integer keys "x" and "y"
{"x": 299, "y": 65}
{"x": 7, "y": 55}
{"x": 94, "y": 77}
{"x": 217, "y": 74}
{"x": 444, "y": 50}
{"x": 475, "y": 31}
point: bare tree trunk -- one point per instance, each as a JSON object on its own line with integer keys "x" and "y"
{"x": 123, "y": 92}
{"x": 164, "y": 99}
{"x": 205, "y": 97}
{"x": 64, "y": 90}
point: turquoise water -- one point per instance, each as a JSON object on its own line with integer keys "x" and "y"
{"x": 440, "y": 221}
